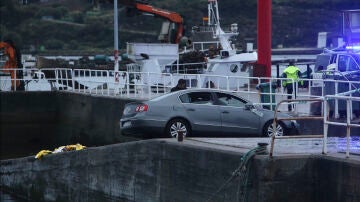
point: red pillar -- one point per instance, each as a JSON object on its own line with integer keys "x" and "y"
{"x": 264, "y": 35}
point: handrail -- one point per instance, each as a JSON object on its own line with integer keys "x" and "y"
{"x": 348, "y": 123}
{"x": 276, "y": 119}
{"x": 325, "y": 119}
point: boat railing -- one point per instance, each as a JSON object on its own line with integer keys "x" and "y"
{"x": 188, "y": 68}
{"x": 205, "y": 45}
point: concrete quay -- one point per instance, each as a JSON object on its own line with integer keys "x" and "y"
{"x": 192, "y": 170}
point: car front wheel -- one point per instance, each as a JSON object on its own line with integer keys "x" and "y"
{"x": 176, "y": 126}
{"x": 269, "y": 130}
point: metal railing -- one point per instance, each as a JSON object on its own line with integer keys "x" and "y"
{"x": 348, "y": 124}
{"x": 150, "y": 84}
{"x": 276, "y": 119}
{"x": 326, "y": 121}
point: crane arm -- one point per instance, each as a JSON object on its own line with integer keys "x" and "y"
{"x": 143, "y": 7}
{"x": 169, "y": 15}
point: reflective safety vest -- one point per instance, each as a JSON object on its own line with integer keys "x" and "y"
{"x": 291, "y": 73}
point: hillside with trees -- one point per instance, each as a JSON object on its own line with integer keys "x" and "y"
{"x": 78, "y": 26}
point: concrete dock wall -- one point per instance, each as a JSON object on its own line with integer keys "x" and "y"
{"x": 165, "y": 170}
{"x": 31, "y": 121}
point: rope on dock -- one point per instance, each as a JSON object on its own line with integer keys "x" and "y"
{"x": 243, "y": 172}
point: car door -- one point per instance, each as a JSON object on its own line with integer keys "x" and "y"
{"x": 236, "y": 119}
{"x": 202, "y": 113}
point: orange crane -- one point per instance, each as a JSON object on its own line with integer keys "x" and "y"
{"x": 175, "y": 31}
{"x": 13, "y": 62}
{"x": 173, "y": 17}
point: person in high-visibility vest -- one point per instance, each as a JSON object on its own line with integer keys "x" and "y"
{"x": 292, "y": 73}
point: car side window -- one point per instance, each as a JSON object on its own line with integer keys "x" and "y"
{"x": 197, "y": 98}
{"x": 185, "y": 98}
{"x": 230, "y": 100}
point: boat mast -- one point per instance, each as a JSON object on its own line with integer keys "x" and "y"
{"x": 214, "y": 21}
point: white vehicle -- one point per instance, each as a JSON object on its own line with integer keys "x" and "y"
{"x": 331, "y": 68}
{"x": 338, "y": 62}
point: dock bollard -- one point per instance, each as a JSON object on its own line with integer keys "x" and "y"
{"x": 180, "y": 136}
{"x": 262, "y": 148}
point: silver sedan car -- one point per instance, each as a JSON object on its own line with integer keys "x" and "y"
{"x": 201, "y": 112}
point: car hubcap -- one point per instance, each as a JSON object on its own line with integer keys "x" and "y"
{"x": 176, "y": 128}
{"x": 277, "y": 132}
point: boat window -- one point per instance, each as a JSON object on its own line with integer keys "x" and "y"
{"x": 354, "y": 20}
{"x": 234, "y": 68}
{"x": 224, "y": 54}
{"x": 211, "y": 67}
{"x": 244, "y": 67}
{"x": 229, "y": 100}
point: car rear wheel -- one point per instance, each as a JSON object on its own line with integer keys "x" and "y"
{"x": 269, "y": 130}
{"x": 176, "y": 126}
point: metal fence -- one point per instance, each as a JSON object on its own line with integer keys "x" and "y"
{"x": 348, "y": 144}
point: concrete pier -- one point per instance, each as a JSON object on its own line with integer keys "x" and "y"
{"x": 167, "y": 170}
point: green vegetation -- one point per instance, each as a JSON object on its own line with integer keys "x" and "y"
{"x": 75, "y": 26}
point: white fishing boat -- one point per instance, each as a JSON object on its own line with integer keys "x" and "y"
{"x": 157, "y": 59}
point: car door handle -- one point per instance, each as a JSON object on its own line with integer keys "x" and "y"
{"x": 191, "y": 110}
{"x": 225, "y": 112}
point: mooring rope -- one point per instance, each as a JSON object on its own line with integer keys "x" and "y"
{"x": 243, "y": 172}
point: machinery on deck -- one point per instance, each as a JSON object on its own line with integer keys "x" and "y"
{"x": 13, "y": 61}
{"x": 172, "y": 30}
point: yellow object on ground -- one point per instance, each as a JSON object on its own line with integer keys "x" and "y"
{"x": 42, "y": 153}
{"x": 60, "y": 149}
